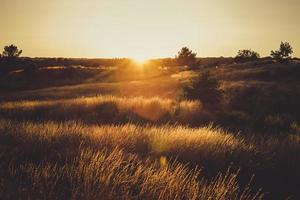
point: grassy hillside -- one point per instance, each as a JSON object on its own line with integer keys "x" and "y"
{"x": 124, "y": 131}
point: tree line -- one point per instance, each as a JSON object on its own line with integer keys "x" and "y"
{"x": 185, "y": 57}
{"x": 188, "y": 58}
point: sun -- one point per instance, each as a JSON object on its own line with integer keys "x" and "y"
{"x": 140, "y": 59}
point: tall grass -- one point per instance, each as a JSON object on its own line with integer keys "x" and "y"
{"x": 73, "y": 161}
{"x": 98, "y": 109}
{"x": 115, "y": 175}
{"x": 168, "y": 156}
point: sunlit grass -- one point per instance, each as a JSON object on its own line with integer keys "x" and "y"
{"x": 72, "y": 160}
{"x": 115, "y": 175}
{"x": 110, "y": 107}
{"x": 56, "y": 147}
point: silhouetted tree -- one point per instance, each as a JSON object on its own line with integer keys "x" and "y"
{"x": 206, "y": 89}
{"x": 246, "y": 55}
{"x": 9, "y": 62}
{"x": 187, "y": 57}
{"x": 11, "y": 51}
{"x": 284, "y": 53}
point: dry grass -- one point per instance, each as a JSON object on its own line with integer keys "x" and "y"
{"x": 128, "y": 147}
{"x": 73, "y": 161}
{"x": 115, "y": 175}
{"x": 128, "y": 161}
{"x": 101, "y": 108}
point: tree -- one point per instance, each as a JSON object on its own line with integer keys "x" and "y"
{"x": 187, "y": 57}
{"x": 246, "y": 55}
{"x": 284, "y": 53}
{"x": 206, "y": 89}
{"x": 11, "y": 51}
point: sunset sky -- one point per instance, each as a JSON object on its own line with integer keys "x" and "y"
{"x": 148, "y": 28}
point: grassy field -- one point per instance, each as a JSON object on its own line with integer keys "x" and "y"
{"x": 126, "y": 133}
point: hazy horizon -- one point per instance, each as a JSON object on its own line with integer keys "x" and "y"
{"x": 144, "y": 29}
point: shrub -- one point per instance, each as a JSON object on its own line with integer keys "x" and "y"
{"x": 246, "y": 55}
{"x": 187, "y": 57}
{"x": 206, "y": 89}
{"x": 284, "y": 53}
{"x": 11, "y": 51}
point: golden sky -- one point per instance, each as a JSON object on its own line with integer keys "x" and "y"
{"x": 148, "y": 28}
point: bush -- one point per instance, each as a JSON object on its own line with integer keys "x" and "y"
{"x": 206, "y": 89}
{"x": 284, "y": 53}
{"x": 187, "y": 57}
{"x": 246, "y": 55}
{"x": 11, "y": 51}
